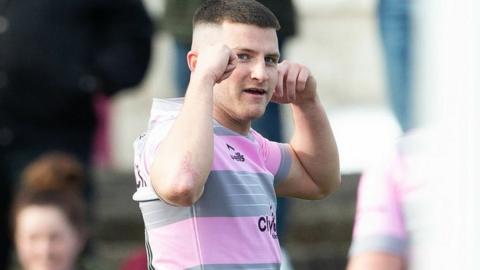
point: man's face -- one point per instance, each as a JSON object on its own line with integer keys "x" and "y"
{"x": 245, "y": 94}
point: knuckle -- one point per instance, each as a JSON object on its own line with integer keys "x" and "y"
{"x": 290, "y": 81}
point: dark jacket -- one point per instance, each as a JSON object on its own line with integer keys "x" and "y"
{"x": 56, "y": 54}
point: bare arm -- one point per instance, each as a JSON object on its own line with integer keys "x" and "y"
{"x": 184, "y": 158}
{"x": 315, "y": 168}
{"x": 376, "y": 261}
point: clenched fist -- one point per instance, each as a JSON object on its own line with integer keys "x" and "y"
{"x": 216, "y": 62}
{"x": 295, "y": 84}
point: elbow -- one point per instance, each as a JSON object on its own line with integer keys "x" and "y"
{"x": 179, "y": 191}
{"x": 335, "y": 182}
{"x": 331, "y": 184}
{"x": 179, "y": 196}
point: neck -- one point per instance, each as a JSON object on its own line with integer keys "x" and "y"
{"x": 241, "y": 127}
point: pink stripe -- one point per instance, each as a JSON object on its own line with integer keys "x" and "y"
{"x": 271, "y": 153}
{"x": 274, "y": 156}
{"x": 174, "y": 246}
{"x": 249, "y": 150}
{"x": 236, "y": 240}
{"x": 222, "y": 241}
{"x": 379, "y": 209}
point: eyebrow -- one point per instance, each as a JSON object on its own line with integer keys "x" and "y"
{"x": 275, "y": 54}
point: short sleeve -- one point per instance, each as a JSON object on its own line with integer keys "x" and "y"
{"x": 277, "y": 157}
{"x": 145, "y": 147}
{"x": 379, "y": 224}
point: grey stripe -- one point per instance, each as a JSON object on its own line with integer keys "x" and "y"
{"x": 158, "y": 213}
{"x": 149, "y": 253}
{"x": 285, "y": 164}
{"x": 391, "y": 244}
{"x": 227, "y": 194}
{"x": 222, "y": 131}
{"x": 262, "y": 266}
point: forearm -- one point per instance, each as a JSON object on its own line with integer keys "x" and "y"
{"x": 376, "y": 261}
{"x": 314, "y": 144}
{"x": 184, "y": 160}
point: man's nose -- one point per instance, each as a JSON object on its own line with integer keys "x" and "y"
{"x": 259, "y": 71}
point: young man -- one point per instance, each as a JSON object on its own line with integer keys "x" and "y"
{"x": 207, "y": 183}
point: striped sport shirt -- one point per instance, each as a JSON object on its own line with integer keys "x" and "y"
{"x": 233, "y": 225}
{"x": 396, "y": 200}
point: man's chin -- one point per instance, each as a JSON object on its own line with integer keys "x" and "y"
{"x": 255, "y": 114}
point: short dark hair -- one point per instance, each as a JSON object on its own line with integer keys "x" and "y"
{"x": 236, "y": 11}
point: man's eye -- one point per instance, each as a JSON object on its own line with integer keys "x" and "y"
{"x": 271, "y": 60}
{"x": 243, "y": 56}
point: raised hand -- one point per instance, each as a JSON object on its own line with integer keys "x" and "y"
{"x": 295, "y": 84}
{"x": 214, "y": 61}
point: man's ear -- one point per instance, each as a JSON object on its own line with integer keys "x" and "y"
{"x": 192, "y": 57}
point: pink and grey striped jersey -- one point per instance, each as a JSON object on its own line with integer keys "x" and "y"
{"x": 233, "y": 225}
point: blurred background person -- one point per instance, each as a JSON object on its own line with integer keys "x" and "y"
{"x": 395, "y": 25}
{"x": 414, "y": 206}
{"x": 395, "y": 198}
{"x": 49, "y": 218}
{"x": 418, "y": 209}
{"x": 56, "y": 59}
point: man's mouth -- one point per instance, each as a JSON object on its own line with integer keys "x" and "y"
{"x": 256, "y": 91}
